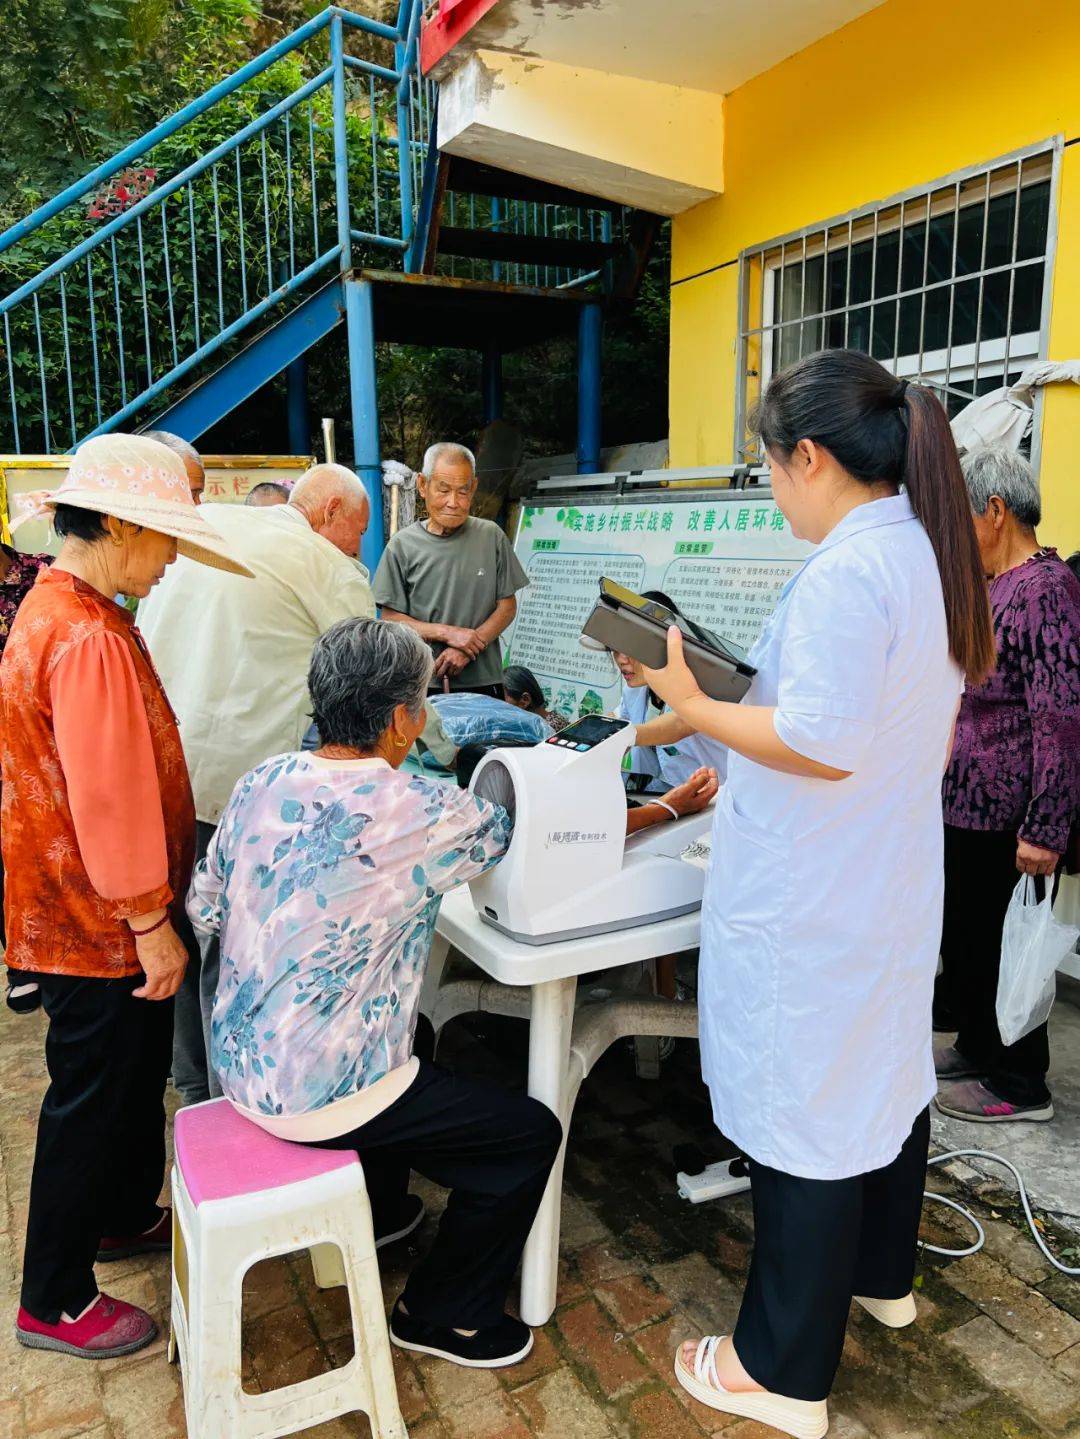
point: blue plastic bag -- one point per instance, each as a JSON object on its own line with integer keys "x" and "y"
{"x": 480, "y": 719}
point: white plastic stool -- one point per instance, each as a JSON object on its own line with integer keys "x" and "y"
{"x": 239, "y": 1196}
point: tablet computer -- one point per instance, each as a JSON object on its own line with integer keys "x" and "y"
{"x": 624, "y": 621}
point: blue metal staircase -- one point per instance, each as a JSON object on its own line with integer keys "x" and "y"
{"x": 170, "y": 283}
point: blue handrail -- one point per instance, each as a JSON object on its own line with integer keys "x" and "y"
{"x": 141, "y": 310}
{"x": 139, "y": 306}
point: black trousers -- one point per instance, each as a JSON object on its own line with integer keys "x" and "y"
{"x": 100, "y": 1156}
{"x": 195, "y": 1081}
{"x": 980, "y": 876}
{"x": 493, "y": 1150}
{"x": 818, "y": 1242}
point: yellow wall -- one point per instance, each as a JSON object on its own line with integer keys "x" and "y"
{"x": 906, "y": 94}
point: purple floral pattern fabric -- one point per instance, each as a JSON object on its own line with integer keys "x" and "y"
{"x": 21, "y": 578}
{"x": 324, "y": 879}
{"x": 1016, "y": 758}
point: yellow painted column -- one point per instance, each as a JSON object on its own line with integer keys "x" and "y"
{"x": 1059, "y": 470}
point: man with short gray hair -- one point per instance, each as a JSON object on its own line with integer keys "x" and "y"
{"x": 193, "y": 465}
{"x": 453, "y": 577}
{"x": 234, "y": 660}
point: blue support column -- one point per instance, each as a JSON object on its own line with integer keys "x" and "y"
{"x": 493, "y": 382}
{"x": 341, "y": 148}
{"x": 296, "y": 391}
{"x": 590, "y": 331}
{"x": 360, "y": 324}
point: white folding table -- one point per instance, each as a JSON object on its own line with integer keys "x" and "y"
{"x": 566, "y": 1038}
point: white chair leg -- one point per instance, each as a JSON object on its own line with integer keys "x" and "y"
{"x": 372, "y": 1343}
{"x": 328, "y": 1266}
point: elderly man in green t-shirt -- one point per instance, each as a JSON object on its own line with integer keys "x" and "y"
{"x": 452, "y": 577}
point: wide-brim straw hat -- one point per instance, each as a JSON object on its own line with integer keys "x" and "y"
{"x": 145, "y": 483}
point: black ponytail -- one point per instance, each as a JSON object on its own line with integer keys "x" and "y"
{"x": 879, "y": 428}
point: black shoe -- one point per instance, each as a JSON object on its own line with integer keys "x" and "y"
{"x": 409, "y": 1218}
{"x": 23, "y": 996}
{"x": 495, "y": 1347}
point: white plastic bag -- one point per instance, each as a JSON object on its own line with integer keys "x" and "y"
{"x": 1033, "y": 945}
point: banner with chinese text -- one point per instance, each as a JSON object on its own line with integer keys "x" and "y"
{"x": 723, "y": 557}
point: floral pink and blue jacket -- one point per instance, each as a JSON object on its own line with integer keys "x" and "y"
{"x": 323, "y": 880}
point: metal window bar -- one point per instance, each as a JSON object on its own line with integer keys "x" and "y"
{"x": 775, "y": 316}
{"x": 1012, "y": 270}
{"x": 982, "y": 283}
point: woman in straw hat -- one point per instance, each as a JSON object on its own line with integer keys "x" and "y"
{"x": 98, "y": 829}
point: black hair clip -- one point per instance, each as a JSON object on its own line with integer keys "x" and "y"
{"x": 899, "y": 394}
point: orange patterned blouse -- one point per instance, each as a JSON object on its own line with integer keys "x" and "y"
{"x": 98, "y": 821}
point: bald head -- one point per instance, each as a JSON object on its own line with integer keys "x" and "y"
{"x": 193, "y": 464}
{"x": 335, "y": 504}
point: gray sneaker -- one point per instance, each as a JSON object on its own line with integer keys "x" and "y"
{"x": 971, "y": 1100}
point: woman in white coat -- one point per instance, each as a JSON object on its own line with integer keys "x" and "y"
{"x": 822, "y": 909}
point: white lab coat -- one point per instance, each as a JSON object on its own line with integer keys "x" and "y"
{"x": 669, "y": 765}
{"x": 822, "y": 912}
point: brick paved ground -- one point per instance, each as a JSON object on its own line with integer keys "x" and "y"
{"x": 996, "y": 1354}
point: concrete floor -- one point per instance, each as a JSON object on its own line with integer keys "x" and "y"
{"x": 1048, "y": 1155}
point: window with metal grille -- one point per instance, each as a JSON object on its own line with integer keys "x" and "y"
{"x": 947, "y": 285}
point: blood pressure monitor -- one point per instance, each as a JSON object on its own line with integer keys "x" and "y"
{"x": 586, "y": 734}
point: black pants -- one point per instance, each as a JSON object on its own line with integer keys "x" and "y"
{"x": 493, "y": 1150}
{"x": 100, "y": 1157}
{"x": 817, "y": 1243}
{"x": 980, "y": 876}
{"x": 195, "y": 1081}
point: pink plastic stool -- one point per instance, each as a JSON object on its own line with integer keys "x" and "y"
{"x": 240, "y": 1196}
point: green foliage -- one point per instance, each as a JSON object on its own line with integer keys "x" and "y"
{"x": 229, "y": 237}
{"x": 77, "y": 82}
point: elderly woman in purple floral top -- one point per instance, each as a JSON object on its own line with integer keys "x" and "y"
{"x": 1011, "y": 793}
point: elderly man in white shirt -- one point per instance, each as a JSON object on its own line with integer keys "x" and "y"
{"x": 233, "y": 655}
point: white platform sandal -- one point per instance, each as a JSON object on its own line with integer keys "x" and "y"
{"x": 802, "y": 1418}
{"x": 895, "y": 1313}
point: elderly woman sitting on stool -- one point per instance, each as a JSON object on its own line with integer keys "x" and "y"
{"x": 324, "y": 879}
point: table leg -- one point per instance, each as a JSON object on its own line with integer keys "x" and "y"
{"x": 429, "y": 993}
{"x": 550, "y": 1028}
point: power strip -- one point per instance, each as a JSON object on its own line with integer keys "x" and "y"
{"x": 716, "y": 1181}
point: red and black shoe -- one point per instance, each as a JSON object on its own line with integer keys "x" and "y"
{"x": 157, "y": 1240}
{"x": 109, "y": 1328}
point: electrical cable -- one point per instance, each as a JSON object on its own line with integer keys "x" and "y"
{"x": 729, "y": 1176}
{"x": 966, "y": 1213}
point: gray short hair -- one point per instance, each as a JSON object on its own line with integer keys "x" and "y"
{"x": 361, "y": 670}
{"x": 187, "y": 452}
{"x": 997, "y": 470}
{"x": 446, "y": 450}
